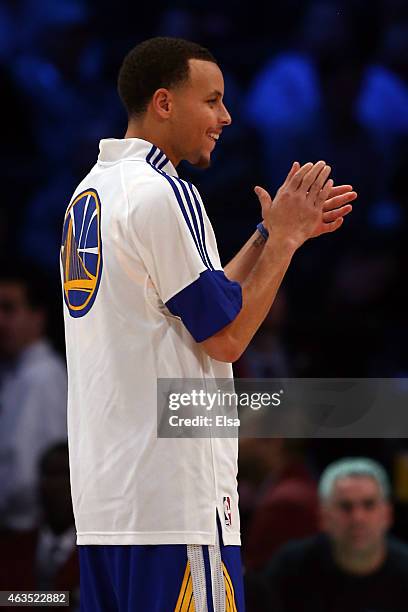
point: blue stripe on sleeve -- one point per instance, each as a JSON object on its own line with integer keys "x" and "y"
{"x": 208, "y": 304}
{"x": 200, "y": 215}
{"x": 193, "y": 217}
{"x": 171, "y": 180}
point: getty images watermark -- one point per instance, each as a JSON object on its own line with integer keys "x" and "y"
{"x": 207, "y": 400}
{"x": 214, "y": 410}
{"x": 200, "y": 408}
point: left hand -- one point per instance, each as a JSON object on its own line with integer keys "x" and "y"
{"x": 336, "y": 206}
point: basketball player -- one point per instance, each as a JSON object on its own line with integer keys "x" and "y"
{"x": 146, "y": 297}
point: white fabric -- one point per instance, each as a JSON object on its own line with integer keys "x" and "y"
{"x": 217, "y": 576}
{"x": 33, "y": 400}
{"x": 129, "y": 487}
{"x": 197, "y": 569}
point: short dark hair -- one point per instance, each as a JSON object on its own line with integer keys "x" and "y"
{"x": 154, "y": 63}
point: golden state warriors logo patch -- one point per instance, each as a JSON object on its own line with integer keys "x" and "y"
{"x": 81, "y": 252}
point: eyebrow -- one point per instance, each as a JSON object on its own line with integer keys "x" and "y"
{"x": 216, "y": 93}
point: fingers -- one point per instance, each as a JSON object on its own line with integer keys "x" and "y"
{"x": 262, "y": 194}
{"x": 324, "y": 193}
{"x": 332, "y": 215}
{"x": 295, "y": 167}
{"x": 339, "y": 200}
{"x": 333, "y": 226}
{"x": 340, "y": 189}
{"x": 297, "y": 178}
{"x": 311, "y": 176}
{"x": 264, "y": 199}
{"x": 319, "y": 191}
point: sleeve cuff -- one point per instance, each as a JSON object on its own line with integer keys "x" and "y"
{"x": 208, "y": 304}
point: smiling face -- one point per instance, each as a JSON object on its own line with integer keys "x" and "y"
{"x": 356, "y": 516}
{"x": 198, "y": 114}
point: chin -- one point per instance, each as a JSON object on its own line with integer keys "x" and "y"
{"x": 360, "y": 545}
{"x": 203, "y": 162}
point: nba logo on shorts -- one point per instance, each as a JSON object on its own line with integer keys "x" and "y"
{"x": 227, "y": 511}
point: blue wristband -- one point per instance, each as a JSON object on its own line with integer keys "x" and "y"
{"x": 262, "y": 230}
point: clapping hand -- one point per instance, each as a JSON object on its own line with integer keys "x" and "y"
{"x": 307, "y": 204}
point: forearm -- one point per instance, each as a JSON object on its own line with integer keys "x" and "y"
{"x": 295, "y": 215}
{"x": 259, "y": 290}
{"x": 242, "y": 264}
{"x": 258, "y": 293}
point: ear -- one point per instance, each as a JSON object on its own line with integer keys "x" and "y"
{"x": 162, "y": 102}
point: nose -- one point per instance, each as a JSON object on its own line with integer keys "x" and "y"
{"x": 226, "y": 117}
{"x": 358, "y": 515}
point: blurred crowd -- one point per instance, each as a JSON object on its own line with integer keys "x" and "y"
{"x": 304, "y": 80}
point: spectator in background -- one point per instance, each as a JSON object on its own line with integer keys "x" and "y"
{"x": 353, "y": 565}
{"x": 45, "y": 558}
{"x": 33, "y": 393}
{"x": 278, "y": 497}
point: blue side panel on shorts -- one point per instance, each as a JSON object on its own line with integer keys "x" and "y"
{"x": 131, "y": 578}
{"x": 231, "y": 557}
{"x": 154, "y": 578}
{"x": 208, "y": 304}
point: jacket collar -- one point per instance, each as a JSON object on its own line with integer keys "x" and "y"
{"x": 113, "y": 150}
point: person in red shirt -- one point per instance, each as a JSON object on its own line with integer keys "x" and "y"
{"x": 279, "y": 499}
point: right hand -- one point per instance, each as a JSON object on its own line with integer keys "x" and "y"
{"x": 292, "y": 216}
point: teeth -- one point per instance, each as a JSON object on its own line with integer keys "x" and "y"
{"x": 214, "y": 136}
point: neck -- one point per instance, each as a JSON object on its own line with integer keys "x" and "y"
{"x": 363, "y": 563}
{"x": 143, "y": 128}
